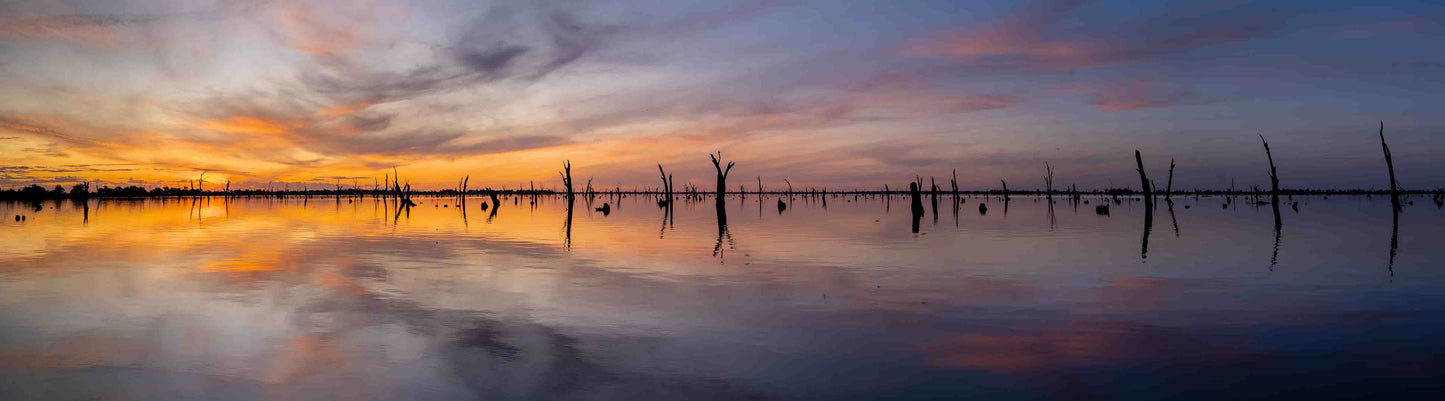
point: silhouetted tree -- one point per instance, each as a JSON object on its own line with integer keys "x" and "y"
{"x": 566, "y": 174}
{"x": 1389, "y": 163}
{"x": 1273, "y": 174}
{"x": 722, "y": 174}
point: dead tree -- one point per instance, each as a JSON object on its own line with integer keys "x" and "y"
{"x": 666, "y": 183}
{"x": 790, "y": 186}
{"x": 1005, "y": 188}
{"x": 760, "y": 185}
{"x": 917, "y": 198}
{"x": 1273, "y": 174}
{"x": 954, "y": 182}
{"x": 722, "y": 174}
{"x": 1169, "y": 185}
{"x": 566, "y": 174}
{"x": 1048, "y": 180}
{"x": 933, "y": 196}
{"x": 1144, "y": 181}
{"x": 1389, "y": 162}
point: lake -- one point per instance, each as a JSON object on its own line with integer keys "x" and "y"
{"x": 833, "y": 298}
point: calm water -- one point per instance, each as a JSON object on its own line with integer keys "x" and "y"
{"x": 347, "y": 299}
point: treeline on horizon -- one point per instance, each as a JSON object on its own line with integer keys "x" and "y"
{"x": 80, "y": 191}
{"x": 394, "y": 187}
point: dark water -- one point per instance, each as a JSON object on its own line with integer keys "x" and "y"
{"x": 348, "y": 299}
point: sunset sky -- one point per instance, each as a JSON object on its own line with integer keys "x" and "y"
{"x": 843, "y": 94}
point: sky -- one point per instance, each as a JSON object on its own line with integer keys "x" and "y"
{"x": 837, "y": 94}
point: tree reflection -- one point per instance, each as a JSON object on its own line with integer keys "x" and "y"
{"x": 1394, "y": 232}
{"x": 1148, "y": 226}
{"x": 1278, "y": 228}
{"x": 567, "y": 242}
{"x": 722, "y": 228}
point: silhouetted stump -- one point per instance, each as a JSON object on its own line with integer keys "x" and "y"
{"x": 484, "y": 205}
{"x": 605, "y": 209}
{"x": 1295, "y": 206}
{"x": 913, "y": 189}
{"x": 1102, "y": 210}
{"x": 781, "y": 206}
{"x": 982, "y": 208}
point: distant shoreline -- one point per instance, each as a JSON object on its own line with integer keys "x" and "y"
{"x": 14, "y": 196}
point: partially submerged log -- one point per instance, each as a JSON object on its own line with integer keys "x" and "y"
{"x": 917, "y": 198}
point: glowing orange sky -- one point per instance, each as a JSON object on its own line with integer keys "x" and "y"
{"x": 312, "y": 93}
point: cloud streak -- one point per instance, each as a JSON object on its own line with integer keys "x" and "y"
{"x": 1139, "y": 94}
{"x": 1042, "y": 36}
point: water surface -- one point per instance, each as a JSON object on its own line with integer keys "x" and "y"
{"x": 350, "y": 298}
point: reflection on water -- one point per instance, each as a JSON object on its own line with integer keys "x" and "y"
{"x": 360, "y": 298}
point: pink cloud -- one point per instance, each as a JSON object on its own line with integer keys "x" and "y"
{"x": 1036, "y": 37}
{"x": 1139, "y": 94}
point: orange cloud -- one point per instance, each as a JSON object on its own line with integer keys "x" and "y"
{"x": 250, "y": 125}
{"x": 310, "y": 33}
{"x": 347, "y": 108}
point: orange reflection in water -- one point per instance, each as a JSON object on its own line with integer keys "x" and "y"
{"x": 356, "y": 296}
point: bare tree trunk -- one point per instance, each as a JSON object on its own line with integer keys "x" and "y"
{"x": 666, "y": 185}
{"x": 1143, "y": 178}
{"x": 954, "y": 182}
{"x": 1389, "y": 162}
{"x": 566, "y": 174}
{"x": 1169, "y": 186}
{"x": 722, "y": 174}
{"x": 1273, "y": 174}
{"x": 1048, "y": 181}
